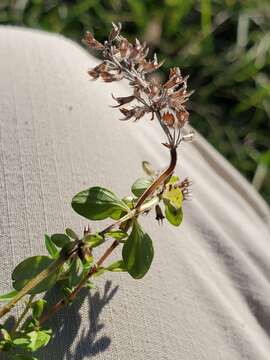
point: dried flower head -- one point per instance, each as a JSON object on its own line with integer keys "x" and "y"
{"x": 124, "y": 60}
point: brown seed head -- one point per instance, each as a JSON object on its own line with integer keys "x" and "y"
{"x": 124, "y": 60}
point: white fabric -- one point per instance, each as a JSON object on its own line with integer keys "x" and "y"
{"x": 207, "y": 293}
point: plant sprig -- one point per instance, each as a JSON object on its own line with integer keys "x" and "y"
{"x": 71, "y": 261}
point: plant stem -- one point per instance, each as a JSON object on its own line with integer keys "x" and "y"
{"x": 61, "y": 303}
{"x": 27, "y": 307}
{"x": 131, "y": 214}
{"x": 160, "y": 180}
{"x": 62, "y": 259}
{"x": 139, "y": 208}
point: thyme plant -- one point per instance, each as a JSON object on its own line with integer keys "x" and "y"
{"x": 71, "y": 262}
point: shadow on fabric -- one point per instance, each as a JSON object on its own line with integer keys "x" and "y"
{"x": 70, "y": 343}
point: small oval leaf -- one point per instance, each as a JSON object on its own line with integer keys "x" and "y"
{"x": 130, "y": 200}
{"x": 9, "y": 296}
{"x": 60, "y": 240}
{"x": 51, "y": 248}
{"x": 117, "y": 266}
{"x": 28, "y": 269}
{"x": 138, "y": 252}
{"x": 117, "y": 214}
{"x": 72, "y": 234}
{"x": 140, "y": 185}
{"x": 93, "y": 240}
{"x": 174, "y": 197}
{"x": 97, "y": 203}
{"x": 174, "y": 216}
{"x": 75, "y": 272}
{"x": 117, "y": 234}
{"x": 38, "y": 308}
{"x": 173, "y": 179}
{"x": 38, "y": 339}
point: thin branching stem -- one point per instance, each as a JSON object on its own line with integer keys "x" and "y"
{"x": 140, "y": 207}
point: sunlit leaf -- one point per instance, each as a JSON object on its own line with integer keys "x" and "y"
{"x": 9, "y": 296}
{"x": 51, "y": 248}
{"x": 75, "y": 272}
{"x": 174, "y": 216}
{"x": 174, "y": 197}
{"x": 173, "y": 179}
{"x": 5, "y": 334}
{"x": 38, "y": 308}
{"x": 93, "y": 240}
{"x": 117, "y": 234}
{"x": 101, "y": 270}
{"x": 28, "y": 269}
{"x": 38, "y": 339}
{"x": 60, "y": 240}
{"x": 117, "y": 266}
{"x": 129, "y": 200}
{"x": 138, "y": 252}
{"x": 21, "y": 342}
{"x": 72, "y": 234}
{"x": 97, "y": 203}
{"x": 140, "y": 185}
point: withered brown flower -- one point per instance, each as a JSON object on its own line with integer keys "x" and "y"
{"x": 124, "y": 60}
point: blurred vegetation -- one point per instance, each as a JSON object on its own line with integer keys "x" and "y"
{"x": 223, "y": 45}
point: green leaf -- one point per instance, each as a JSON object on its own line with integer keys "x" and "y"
{"x": 5, "y": 334}
{"x": 23, "y": 357}
{"x": 174, "y": 197}
{"x": 72, "y": 234}
{"x": 93, "y": 240}
{"x": 97, "y": 203}
{"x": 140, "y": 185}
{"x": 101, "y": 270}
{"x": 38, "y": 339}
{"x": 38, "y": 308}
{"x": 264, "y": 158}
{"x": 9, "y": 296}
{"x": 138, "y": 252}
{"x": 67, "y": 291}
{"x": 51, "y": 248}
{"x": 22, "y": 342}
{"x": 117, "y": 214}
{"x": 76, "y": 271}
{"x": 88, "y": 258}
{"x": 68, "y": 248}
{"x": 5, "y": 345}
{"x": 28, "y": 269}
{"x": 129, "y": 201}
{"x": 173, "y": 179}
{"x": 91, "y": 285}
{"x": 174, "y": 216}
{"x": 117, "y": 234}
{"x": 60, "y": 240}
{"x": 117, "y": 266}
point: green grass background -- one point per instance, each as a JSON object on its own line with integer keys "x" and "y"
{"x": 223, "y": 45}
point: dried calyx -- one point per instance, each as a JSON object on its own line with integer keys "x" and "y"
{"x": 123, "y": 60}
